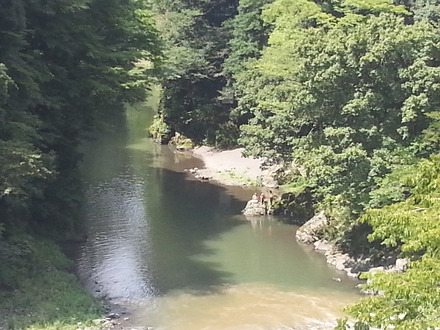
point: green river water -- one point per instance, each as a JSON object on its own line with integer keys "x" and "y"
{"x": 176, "y": 253}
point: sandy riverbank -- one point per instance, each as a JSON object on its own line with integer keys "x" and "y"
{"x": 229, "y": 167}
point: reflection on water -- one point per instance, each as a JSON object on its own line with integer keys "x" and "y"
{"x": 113, "y": 257}
{"x": 179, "y": 255}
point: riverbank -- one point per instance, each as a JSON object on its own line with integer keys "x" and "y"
{"x": 38, "y": 289}
{"x": 230, "y": 167}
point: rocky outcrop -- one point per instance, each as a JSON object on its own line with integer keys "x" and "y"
{"x": 254, "y": 208}
{"x": 181, "y": 142}
{"x": 311, "y": 231}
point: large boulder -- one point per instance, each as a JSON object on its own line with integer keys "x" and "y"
{"x": 254, "y": 208}
{"x": 311, "y": 231}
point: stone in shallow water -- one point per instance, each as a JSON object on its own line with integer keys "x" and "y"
{"x": 254, "y": 208}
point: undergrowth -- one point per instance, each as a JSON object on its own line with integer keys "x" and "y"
{"x": 37, "y": 288}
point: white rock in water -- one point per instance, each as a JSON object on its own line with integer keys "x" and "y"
{"x": 254, "y": 208}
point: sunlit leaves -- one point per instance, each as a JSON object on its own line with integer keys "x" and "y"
{"x": 21, "y": 167}
{"x": 374, "y": 6}
{"x": 409, "y": 300}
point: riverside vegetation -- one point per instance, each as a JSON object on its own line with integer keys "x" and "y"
{"x": 342, "y": 94}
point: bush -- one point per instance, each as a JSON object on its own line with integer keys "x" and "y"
{"x": 159, "y": 130}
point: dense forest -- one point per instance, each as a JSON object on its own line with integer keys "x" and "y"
{"x": 343, "y": 95}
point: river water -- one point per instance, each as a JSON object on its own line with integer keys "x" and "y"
{"x": 176, "y": 253}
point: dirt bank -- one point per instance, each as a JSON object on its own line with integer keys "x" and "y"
{"x": 229, "y": 167}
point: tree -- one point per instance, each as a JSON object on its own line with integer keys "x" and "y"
{"x": 249, "y": 36}
{"x": 197, "y": 43}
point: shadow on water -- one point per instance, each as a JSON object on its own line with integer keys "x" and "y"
{"x": 143, "y": 233}
{"x": 188, "y": 214}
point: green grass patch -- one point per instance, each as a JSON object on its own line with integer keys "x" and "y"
{"x": 37, "y": 290}
{"x": 297, "y": 186}
{"x": 241, "y": 179}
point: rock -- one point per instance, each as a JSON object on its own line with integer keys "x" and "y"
{"x": 98, "y": 321}
{"x": 401, "y": 265}
{"x": 353, "y": 274}
{"x": 181, "y": 142}
{"x": 113, "y": 316}
{"x": 254, "y": 208}
{"x": 376, "y": 269}
{"x": 324, "y": 246}
{"x": 341, "y": 261}
{"x": 338, "y": 260}
{"x": 202, "y": 177}
{"x": 311, "y": 230}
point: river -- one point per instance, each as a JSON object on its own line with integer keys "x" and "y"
{"x": 177, "y": 254}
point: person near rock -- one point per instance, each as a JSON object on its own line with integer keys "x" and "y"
{"x": 270, "y": 199}
{"x": 254, "y": 197}
{"x": 262, "y": 199}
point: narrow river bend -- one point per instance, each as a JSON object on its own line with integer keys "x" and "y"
{"x": 177, "y": 254}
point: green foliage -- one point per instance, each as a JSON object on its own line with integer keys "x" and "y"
{"x": 159, "y": 130}
{"x": 427, "y": 10}
{"x": 408, "y": 300}
{"x": 37, "y": 290}
{"x": 432, "y": 133}
{"x": 226, "y": 136}
{"x": 390, "y": 189}
{"x": 374, "y": 6}
{"x": 343, "y": 93}
{"x": 248, "y": 37}
{"x": 412, "y": 223}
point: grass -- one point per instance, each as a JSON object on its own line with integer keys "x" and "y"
{"x": 241, "y": 179}
{"x": 295, "y": 187}
{"x": 37, "y": 289}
